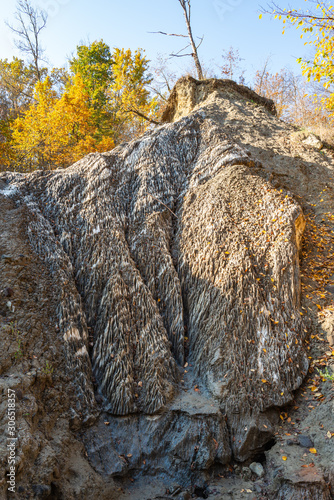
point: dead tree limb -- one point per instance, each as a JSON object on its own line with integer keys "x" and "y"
{"x": 138, "y": 113}
{"x": 186, "y": 6}
{"x": 30, "y": 22}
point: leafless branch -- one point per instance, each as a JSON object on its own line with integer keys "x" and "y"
{"x": 30, "y": 22}
{"x": 184, "y": 48}
{"x": 200, "y": 43}
{"x": 186, "y": 6}
{"x": 181, "y": 55}
{"x": 167, "y": 34}
{"x": 138, "y": 113}
{"x": 157, "y": 91}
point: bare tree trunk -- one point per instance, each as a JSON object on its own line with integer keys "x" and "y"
{"x": 30, "y": 22}
{"x": 263, "y": 73}
{"x": 185, "y": 4}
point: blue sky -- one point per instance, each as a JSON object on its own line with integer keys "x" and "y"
{"x": 126, "y": 23}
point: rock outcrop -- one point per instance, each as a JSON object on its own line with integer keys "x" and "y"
{"x": 174, "y": 262}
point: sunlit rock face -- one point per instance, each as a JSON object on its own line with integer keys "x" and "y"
{"x": 176, "y": 264}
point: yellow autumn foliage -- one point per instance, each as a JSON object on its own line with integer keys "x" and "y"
{"x": 55, "y": 132}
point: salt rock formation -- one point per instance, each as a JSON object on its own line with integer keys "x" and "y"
{"x": 171, "y": 251}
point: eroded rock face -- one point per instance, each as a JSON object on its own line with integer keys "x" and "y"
{"x": 175, "y": 249}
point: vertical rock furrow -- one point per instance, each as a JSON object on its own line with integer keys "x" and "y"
{"x": 72, "y": 320}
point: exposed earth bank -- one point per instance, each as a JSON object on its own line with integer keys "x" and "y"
{"x": 166, "y": 311}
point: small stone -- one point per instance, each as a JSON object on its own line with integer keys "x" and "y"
{"x": 257, "y": 469}
{"x": 258, "y": 487}
{"x": 41, "y": 490}
{"x": 10, "y": 306}
{"x": 185, "y": 495}
{"x": 246, "y": 473}
{"x": 8, "y": 292}
{"x": 305, "y": 441}
{"x": 277, "y": 472}
{"x": 313, "y": 141}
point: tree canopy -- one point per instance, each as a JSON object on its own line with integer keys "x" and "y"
{"x": 50, "y": 123}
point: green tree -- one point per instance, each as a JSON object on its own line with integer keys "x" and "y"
{"x": 117, "y": 85}
{"x": 94, "y": 64}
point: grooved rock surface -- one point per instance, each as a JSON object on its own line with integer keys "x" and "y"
{"x": 178, "y": 223}
{"x": 174, "y": 261}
